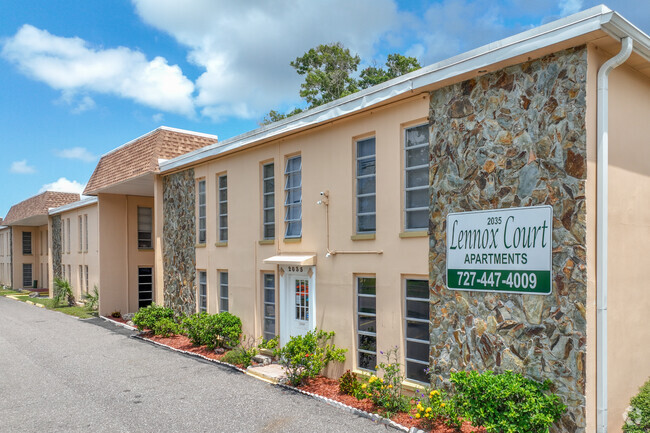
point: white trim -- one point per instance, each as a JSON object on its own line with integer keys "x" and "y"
{"x": 292, "y": 259}
{"x": 580, "y": 24}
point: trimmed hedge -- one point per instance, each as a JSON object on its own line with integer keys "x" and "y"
{"x": 213, "y": 330}
{"x": 147, "y": 317}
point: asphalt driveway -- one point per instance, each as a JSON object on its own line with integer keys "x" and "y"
{"x": 62, "y": 374}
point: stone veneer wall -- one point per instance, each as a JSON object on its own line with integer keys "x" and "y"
{"x": 515, "y": 137}
{"x": 179, "y": 254}
{"x": 56, "y": 246}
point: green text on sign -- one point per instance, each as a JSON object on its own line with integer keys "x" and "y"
{"x": 500, "y": 281}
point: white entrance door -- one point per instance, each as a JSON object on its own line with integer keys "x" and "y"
{"x": 297, "y": 294}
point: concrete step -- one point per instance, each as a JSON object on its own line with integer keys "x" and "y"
{"x": 273, "y": 373}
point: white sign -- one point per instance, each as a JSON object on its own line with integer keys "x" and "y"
{"x": 501, "y": 250}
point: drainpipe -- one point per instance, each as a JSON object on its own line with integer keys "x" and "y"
{"x": 601, "y": 230}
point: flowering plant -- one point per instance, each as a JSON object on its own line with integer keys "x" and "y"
{"x": 386, "y": 391}
{"x": 434, "y": 405}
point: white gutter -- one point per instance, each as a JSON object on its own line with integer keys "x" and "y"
{"x": 602, "y": 232}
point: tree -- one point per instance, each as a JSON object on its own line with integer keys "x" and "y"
{"x": 396, "y": 65}
{"x": 328, "y": 73}
{"x": 327, "y": 70}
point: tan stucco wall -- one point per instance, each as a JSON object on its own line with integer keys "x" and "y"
{"x": 119, "y": 253}
{"x": 328, "y": 162}
{"x": 629, "y": 231}
{"x": 80, "y": 256}
{"x": 5, "y": 256}
{"x": 35, "y": 258}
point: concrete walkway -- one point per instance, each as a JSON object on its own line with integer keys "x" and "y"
{"x": 62, "y": 374}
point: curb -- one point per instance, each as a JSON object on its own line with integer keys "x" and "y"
{"x": 116, "y": 323}
{"x": 371, "y": 416}
{"x": 362, "y": 413}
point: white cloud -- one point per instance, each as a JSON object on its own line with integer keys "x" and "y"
{"x": 158, "y": 117}
{"x": 245, "y": 47}
{"x": 21, "y": 167}
{"x": 568, "y": 7}
{"x": 71, "y": 65}
{"x": 63, "y": 185}
{"x": 80, "y": 153}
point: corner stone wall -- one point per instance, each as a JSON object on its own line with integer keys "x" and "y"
{"x": 179, "y": 255}
{"x": 515, "y": 137}
{"x": 56, "y": 246}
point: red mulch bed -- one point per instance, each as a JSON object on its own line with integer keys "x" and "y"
{"x": 116, "y": 319}
{"x": 319, "y": 385}
{"x": 330, "y": 388}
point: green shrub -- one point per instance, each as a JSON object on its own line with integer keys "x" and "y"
{"x": 243, "y": 354}
{"x": 166, "y": 327}
{"x": 213, "y": 330}
{"x": 505, "y": 403}
{"x": 349, "y": 383}
{"x": 269, "y": 344}
{"x": 386, "y": 392}
{"x": 306, "y": 355}
{"x": 62, "y": 292}
{"x": 638, "y": 417}
{"x": 147, "y": 317}
{"x": 434, "y": 405}
{"x": 91, "y": 299}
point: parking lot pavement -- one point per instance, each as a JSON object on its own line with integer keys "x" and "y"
{"x": 62, "y": 374}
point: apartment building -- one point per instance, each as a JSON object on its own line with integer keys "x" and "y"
{"x": 29, "y": 238}
{"x": 75, "y": 247}
{"x": 336, "y": 218}
{"x": 123, "y": 187}
{"x": 5, "y": 255}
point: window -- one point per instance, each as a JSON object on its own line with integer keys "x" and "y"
{"x": 47, "y": 242}
{"x": 201, "y": 231}
{"x": 203, "y": 291}
{"x": 145, "y": 227}
{"x": 69, "y": 273}
{"x": 27, "y": 275}
{"x": 81, "y": 277}
{"x": 366, "y": 323}
{"x": 223, "y": 208}
{"x": 86, "y": 232}
{"x": 268, "y": 201}
{"x": 63, "y": 236}
{"x": 417, "y": 329}
{"x": 366, "y": 185}
{"x": 223, "y": 291}
{"x": 269, "y": 306}
{"x": 27, "y": 242}
{"x": 67, "y": 242}
{"x": 87, "y": 285}
{"x": 63, "y": 272}
{"x": 145, "y": 287}
{"x": 81, "y": 232}
{"x": 416, "y": 178}
{"x": 293, "y": 201}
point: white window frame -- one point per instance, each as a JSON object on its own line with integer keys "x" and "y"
{"x": 223, "y": 288}
{"x": 222, "y": 207}
{"x": 290, "y": 222}
{"x": 143, "y": 243}
{"x": 268, "y": 289}
{"x": 407, "y": 319}
{"x": 81, "y": 238}
{"x": 373, "y": 194}
{"x": 86, "y": 232}
{"x": 359, "y": 315}
{"x": 268, "y": 222}
{"x": 201, "y": 228}
{"x": 408, "y": 189}
{"x": 203, "y": 291}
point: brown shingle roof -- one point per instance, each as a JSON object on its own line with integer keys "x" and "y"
{"x": 39, "y": 205}
{"x": 141, "y": 156}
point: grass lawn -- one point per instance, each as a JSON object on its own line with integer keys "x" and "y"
{"x": 5, "y": 292}
{"x": 81, "y": 312}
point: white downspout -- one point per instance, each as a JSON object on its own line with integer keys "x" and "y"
{"x": 601, "y": 235}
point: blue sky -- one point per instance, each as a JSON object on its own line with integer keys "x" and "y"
{"x": 79, "y": 78}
